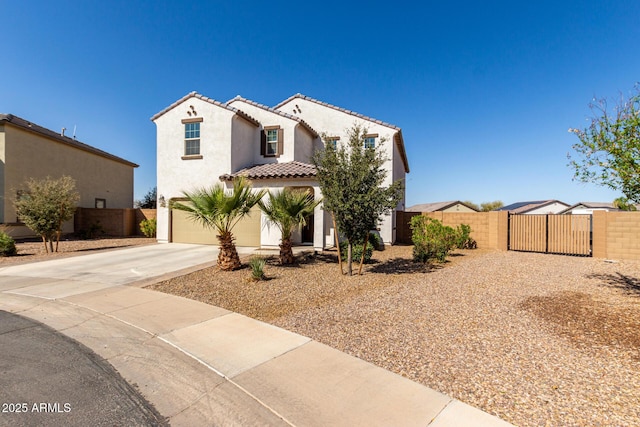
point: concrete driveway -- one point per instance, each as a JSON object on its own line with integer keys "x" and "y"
{"x": 117, "y": 267}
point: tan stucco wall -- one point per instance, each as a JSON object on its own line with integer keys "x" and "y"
{"x": 28, "y": 155}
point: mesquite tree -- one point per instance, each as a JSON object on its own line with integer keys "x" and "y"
{"x": 351, "y": 178}
{"x": 609, "y": 149}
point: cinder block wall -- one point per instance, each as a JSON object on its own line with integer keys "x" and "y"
{"x": 489, "y": 229}
{"x": 616, "y": 235}
{"x": 114, "y": 222}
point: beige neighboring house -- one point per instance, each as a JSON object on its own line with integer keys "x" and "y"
{"x": 31, "y": 151}
{"x": 540, "y": 207}
{"x": 201, "y": 142}
{"x": 453, "y": 206}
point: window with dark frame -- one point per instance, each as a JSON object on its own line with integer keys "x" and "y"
{"x": 272, "y": 141}
{"x": 101, "y": 203}
{"x": 192, "y": 139}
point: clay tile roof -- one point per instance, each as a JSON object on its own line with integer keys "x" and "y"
{"x": 274, "y": 171}
{"x": 278, "y": 112}
{"x": 32, "y": 127}
{"x": 210, "y": 101}
{"x": 399, "y": 140}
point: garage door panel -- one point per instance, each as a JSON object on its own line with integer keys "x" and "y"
{"x": 185, "y": 230}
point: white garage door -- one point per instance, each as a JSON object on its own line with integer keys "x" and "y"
{"x": 185, "y": 230}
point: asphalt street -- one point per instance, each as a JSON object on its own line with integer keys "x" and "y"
{"x": 47, "y": 378}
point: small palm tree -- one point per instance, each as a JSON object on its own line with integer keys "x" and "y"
{"x": 288, "y": 210}
{"x": 220, "y": 210}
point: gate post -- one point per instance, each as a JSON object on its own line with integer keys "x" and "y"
{"x": 599, "y": 234}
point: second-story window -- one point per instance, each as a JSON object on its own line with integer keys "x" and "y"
{"x": 370, "y": 141}
{"x": 191, "y": 139}
{"x": 332, "y": 142}
{"x": 272, "y": 141}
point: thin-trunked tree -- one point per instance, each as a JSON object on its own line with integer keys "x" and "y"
{"x": 288, "y": 210}
{"x": 351, "y": 178}
{"x": 220, "y": 210}
{"x": 46, "y": 205}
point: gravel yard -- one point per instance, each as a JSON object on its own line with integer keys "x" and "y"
{"x": 535, "y": 339}
{"x": 33, "y": 250}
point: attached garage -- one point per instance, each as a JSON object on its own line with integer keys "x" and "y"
{"x": 185, "y": 230}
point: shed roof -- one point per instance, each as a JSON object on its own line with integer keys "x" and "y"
{"x": 437, "y": 206}
{"x": 522, "y": 207}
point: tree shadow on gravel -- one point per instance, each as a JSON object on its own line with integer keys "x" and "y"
{"x": 630, "y": 285}
{"x": 402, "y": 266}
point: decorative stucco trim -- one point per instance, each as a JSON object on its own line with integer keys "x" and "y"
{"x": 278, "y": 112}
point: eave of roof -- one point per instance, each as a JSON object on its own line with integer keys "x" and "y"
{"x": 278, "y": 112}
{"x": 398, "y": 136}
{"x": 32, "y": 127}
{"x": 286, "y": 170}
{"x": 210, "y": 101}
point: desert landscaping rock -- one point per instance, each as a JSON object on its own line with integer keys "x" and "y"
{"x": 534, "y": 339}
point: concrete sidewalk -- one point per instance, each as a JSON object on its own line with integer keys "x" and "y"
{"x": 203, "y": 365}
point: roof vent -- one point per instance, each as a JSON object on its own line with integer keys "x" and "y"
{"x": 62, "y": 133}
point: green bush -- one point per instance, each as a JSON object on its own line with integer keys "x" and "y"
{"x": 148, "y": 227}
{"x": 356, "y": 251}
{"x": 463, "y": 238}
{"x": 7, "y": 245}
{"x": 376, "y": 241}
{"x": 257, "y": 268}
{"x": 431, "y": 239}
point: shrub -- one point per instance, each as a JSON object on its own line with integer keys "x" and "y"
{"x": 431, "y": 239}
{"x": 376, "y": 241}
{"x": 257, "y": 268}
{"x": 356, "y": 252}
{"x": 94, "y": 231}
{"x": 463, "y": 238}
{"x": 148, "y": 227}
{"x": 7, "y": 245}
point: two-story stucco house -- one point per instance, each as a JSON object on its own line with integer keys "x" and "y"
{"x": 28, "y": 150}
{"x": 201, "y": 141}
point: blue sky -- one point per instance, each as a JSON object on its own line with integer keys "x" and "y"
{"x": 484, "y": 91}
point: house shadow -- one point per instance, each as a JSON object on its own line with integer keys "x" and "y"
{"x": 628, "y": 284}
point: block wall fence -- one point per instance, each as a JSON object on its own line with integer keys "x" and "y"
{"x": 114, "y": 222}
{"x": 615, "y": 235}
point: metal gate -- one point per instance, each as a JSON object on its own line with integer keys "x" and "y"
{"x": 553, "y": 234}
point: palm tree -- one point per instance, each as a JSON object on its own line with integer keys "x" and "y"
{"x": 288, "y": 210}
{"x": 220, "y": 210}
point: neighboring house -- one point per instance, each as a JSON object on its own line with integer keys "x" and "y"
{"x": 454, "y": 206}
{"x": 201, "y": 141}
{"x": 537, "y": 207}
{"x": 587, "y": 208}
{"x": 31, "y": 151}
